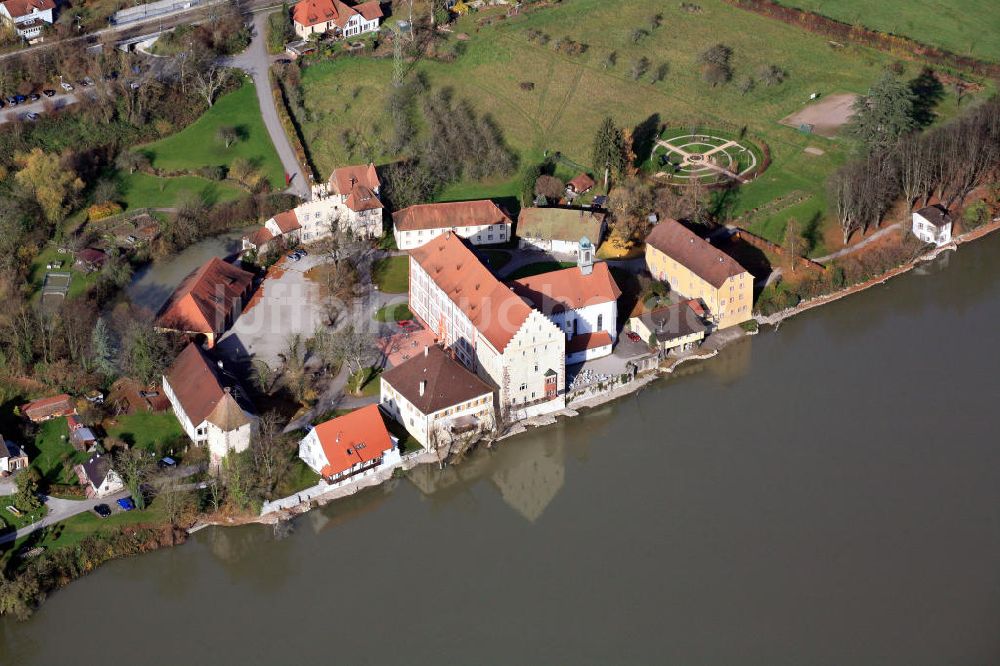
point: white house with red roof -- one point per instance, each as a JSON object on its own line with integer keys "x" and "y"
{"x": 582, "y": 301}
{"x": 28, "y": 17}
{"x": 350, "y": 201}
{"x": 493, "y": 331}
{"x": 333, "y": 17}
{"x": 480, "y": 222}
{"x": 349, "y": 445}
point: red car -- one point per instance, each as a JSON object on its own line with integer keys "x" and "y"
{"x": 633, "y": 336}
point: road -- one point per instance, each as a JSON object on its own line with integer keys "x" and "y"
{"x": 60, "y": 509}
{"x": 256, "y": 62}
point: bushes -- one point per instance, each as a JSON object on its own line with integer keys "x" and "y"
{"x": 102, "y": 210}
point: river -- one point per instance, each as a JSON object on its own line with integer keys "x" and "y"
{"x": 825, "y": 494}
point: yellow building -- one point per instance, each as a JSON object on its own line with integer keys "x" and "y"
{"x": 696, "y": 269}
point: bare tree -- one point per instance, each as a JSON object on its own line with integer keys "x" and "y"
{"x": 210, "y": 80}
{"x": 354, "y": 346}
{"x": 134, "y": 467}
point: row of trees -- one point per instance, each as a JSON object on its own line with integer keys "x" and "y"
{"x": 946, "y": 163}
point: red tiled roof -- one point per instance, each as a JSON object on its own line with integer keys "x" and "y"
{"x": 449, "y": 215}
{"x": 91, "y": 255}
{"x": 313, "y": 12}
{"x": 205, "y": 299}
{"x": 369, "y": 10}
{"x": 449, "y": 383}
{"x": 581, "y": 183}
{"x": 568, "y": 289}
{"x": 496, "y": 311}
{"x": 43, "y": 408}
{"x": 201, "y": 393}
{"x": 362, "y": 198}
{"x": 261, "y": 236}
{"x": 17, "y": 8}
{"x": 287, "y": 221}
{"x": 584, "y": 341}
{"x": 359, "y": 436}
{"x": 344, "y": 179}
{"x": 698, "y": 255}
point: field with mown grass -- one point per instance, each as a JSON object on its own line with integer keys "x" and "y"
{"x": 196, "y": 146}
{"x": 964, "y": 27}
{"x": 142, "y": 190}
{"x": 148, "y": 431}
{"x": 570, "y": 94}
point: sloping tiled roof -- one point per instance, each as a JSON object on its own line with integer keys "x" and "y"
{"x": 202, "y": 393}
{"x": 568, "y": 289}
{"x": 579, "y": 343}
{"x": 344, "y": 179}
{"x": 205, "y": 298}
{"x": 698, "y": 255}
{"x": 369, "y": 10}
{"x": 261, "y": 236}
{"x": 674, "y": 321}
{"x": 97, "y": 469}
{"x": 362, "y": 198}
{"x": 936, "y": 215}
{"x": 449, "y": 383}
{"x": 496, "y": 311}
{"x": 449, "y": 215}
{"x": 568, "y": 224}
{"x": 45, "y": 407}
{"x": 359, "y": 436}
{"x": 287, "y": 221}
{"x": 581, "y": 183}
{"x": 313, "y": 12}
{"x": 17, "y": 8}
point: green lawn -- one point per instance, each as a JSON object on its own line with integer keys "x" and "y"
{"x": 298, "y": 478}
{"x": 392, "y": 274}
{"x": 365, "y": 382}
{"x": 50, "y": 448}
{"x": 9, "y": 520}
{"x": 393, "y": 312}
{"x": 196, "y": 145}
{"x": 965, "y": 27}
{"x": 539, "y": 268}
{"x": 79, "y": 282}
{"x": 75, "y": 529}
{"x": 141, "y": 190}
{"x": 572, "y": 94}
{"x": 152, "y": 432}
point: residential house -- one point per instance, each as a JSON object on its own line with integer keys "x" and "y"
{"x": 335, "y": 18}
{"x": 44, "y": 409}
{"x": 559, "y": 230}
{"x": 356, "y": 189}
{"x": 12, "y": 457}
{"x": 90, "y": 259}
{"x": 98, "y": 477}
{"x": 582, "y": 301}
{"x": 207, "y": 302}
{"x": 672, "y": 328}
{"x": 349, "y": 445}
{"x": 480, "y": 222}
{"x": 695, "y": 268}
{"x": 28, "y": 17}
{"x": 210, "y": 405}
{"x": 491, "y": 330}
{"x": 80, "y": 436}
{"x": 579, "y": 184}
{"x": 437, "y": 399}
{"x": 932, "y": 225}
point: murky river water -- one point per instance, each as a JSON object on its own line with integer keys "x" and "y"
{"x": 826, "y": 494}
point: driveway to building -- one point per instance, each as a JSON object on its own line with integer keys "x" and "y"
{"x": 256, "y": 62}
{"x": 60, "y": 509}
{"x": 11, "y": 113}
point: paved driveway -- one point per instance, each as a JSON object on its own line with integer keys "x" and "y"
{"x": 60, "y": 509}
{"x": 286, "y": 303}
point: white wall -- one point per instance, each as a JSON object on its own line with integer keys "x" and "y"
{"x": 929, "y": 233}
{"x": 421, "y": 425}
{"x": 484, "y": 234}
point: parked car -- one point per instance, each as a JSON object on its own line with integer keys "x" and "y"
{"x": 21, "y": 99}
{"x": 12, "y": 100}
{"x": 34, "y": 97}
{"x": 49, "y": 92}
{"x": 102, "y": 510}
{"x": 66, "y": 86}
{"x": 164, "y": 463}
{"x": 2, "y": 103}
{"x": 32, "y": 116}
{"x": 302, "y": 253}
{"x": 126, "y": 504}
{"x": 292, "y": 256}
{"x": 633, "y": 336}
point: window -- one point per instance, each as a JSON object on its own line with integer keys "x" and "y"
{"x": 524, "y": 387}
{"x": 600, "y": 323}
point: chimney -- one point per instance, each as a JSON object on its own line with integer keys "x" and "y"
{"x": 427, "y": 351}
{"x": 219, "y": 363}
{"x": 423, "y": 386}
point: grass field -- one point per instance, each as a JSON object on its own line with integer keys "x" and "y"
{"x": 50, "y": 448}
{"x": 392, "y": 274}
{"x": 141, "y": 190}
{"x": 152, "y": 432}
{"x": 197, "y": 146}
{"x": 571, "y": 94}
{"x": 79, "y": 282}
{"x": 965, "y": 27}
{"x": 394, "y": 312}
